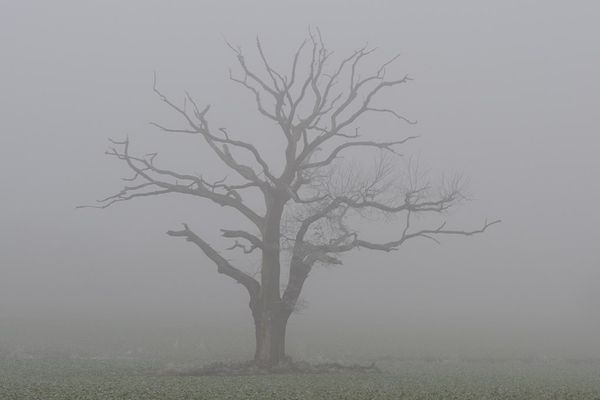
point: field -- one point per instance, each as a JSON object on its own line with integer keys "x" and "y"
{"x": 61, "y": 379}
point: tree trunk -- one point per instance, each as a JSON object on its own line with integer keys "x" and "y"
{"x": 270, "y": 331}
{"x": 270, "y": 317}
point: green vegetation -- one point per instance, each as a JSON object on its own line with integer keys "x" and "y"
{"x": 82, "y": 379}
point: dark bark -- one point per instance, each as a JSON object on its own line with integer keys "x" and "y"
{"x": 270, "y": 329}
{"x": 270, "y": 317}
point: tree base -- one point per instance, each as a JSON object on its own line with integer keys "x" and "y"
{"x": 251, "y": 368}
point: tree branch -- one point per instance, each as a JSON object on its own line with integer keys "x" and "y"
{"x": 145, "y": 169}
{"x": 223, "y": 266}
{"x": 254, "y": 241}
{"x": 393, "y": 245}
{"x": 201, "y": 127}
{"x": 338, "y": 149}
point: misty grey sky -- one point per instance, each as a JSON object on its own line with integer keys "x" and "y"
{"x": 506, "y": 92}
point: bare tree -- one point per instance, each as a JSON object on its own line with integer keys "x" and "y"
{"x": 312, "y": 201}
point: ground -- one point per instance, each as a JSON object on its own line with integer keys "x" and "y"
{"x": 61, "y": 379}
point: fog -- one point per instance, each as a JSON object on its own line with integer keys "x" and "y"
{"x": 505, "y": 93}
